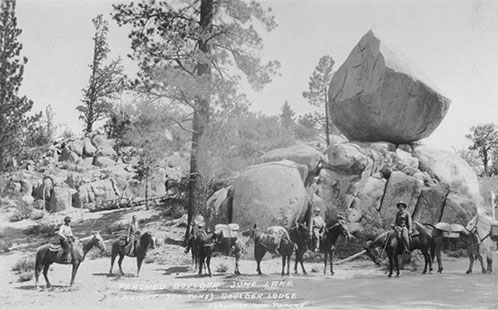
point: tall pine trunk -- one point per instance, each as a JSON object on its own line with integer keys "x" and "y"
{"x": 197, "y": 185}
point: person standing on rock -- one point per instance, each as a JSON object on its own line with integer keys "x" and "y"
{"x": 318, "y": 227}
{"x": 66, "y": 238}
{"x": 403, "y": 222}
{"x": 131, "y": 233}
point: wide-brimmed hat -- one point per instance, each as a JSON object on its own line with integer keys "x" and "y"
{"x": 67, "y": 219}
{"x": 401, "y": 203}
{"x": 316, "y": 209}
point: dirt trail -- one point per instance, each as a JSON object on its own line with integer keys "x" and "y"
{"x": 169, "y": 282}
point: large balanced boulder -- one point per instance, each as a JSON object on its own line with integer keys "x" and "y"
{"x": 269, "y": 194}
{"x": 376, "y": 95}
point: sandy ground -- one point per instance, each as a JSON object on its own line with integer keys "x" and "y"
{"x": 168, "y": 282}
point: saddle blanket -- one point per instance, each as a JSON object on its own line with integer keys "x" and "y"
{"x": 54, "y": 247}
{"x": 450, "y": 230}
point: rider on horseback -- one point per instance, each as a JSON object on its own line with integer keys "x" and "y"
{"x": 318, "y": 227}
{"x": 66, "y": 238}
{"x": 131, "y": 234}
{"x": 403, "y": 222}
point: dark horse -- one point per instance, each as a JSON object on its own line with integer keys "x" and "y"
{"x": 145, "y": 241}
{"x": 301, "y": 236}
{"x": 45, "y": 256}
{"x": 203, "y": 244}
{"x": 389, "y": 241}
{"x": 327, "y": 243}
{"x": 260, "y": 247}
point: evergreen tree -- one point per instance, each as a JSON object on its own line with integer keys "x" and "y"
{"x": 317, "y": 94}
{"x": 105, "y": 80}
{"x": 484, "y": 139}
{"x": 13, "y": 107}
{"x": 189, "y": 51}
{"x": 287, "y": 117}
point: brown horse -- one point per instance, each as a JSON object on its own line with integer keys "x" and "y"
{"x": 145, "y": 241}
{"x": 301, "y": 236}
{"x": 327, "y": 243}
{"x": 45, "y": 256}
{"x": 391, "y": 243}
{"x": 260, "y": 248}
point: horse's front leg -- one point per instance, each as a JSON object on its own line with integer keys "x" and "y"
{"x": 208, "y": 264}
{"x": 391, "y": 264}
{"x": 427, "y": 261}
{"x": 120, "y": 261}
{"x": 301, "y": 259}
{"x": 479, "y": 257}
{"x": 288, "y": 263}
{"x": 140, "y": 260}
{"x": 73, "y": 274}
{"x": 325, "y": 255}
{"x": 296, "y": 260}
{"x": 237, "y": 258}
{"x": 45, "y": 275}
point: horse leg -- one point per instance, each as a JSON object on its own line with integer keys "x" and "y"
{"x": 479, "y": 257}
{"x": 391, "y": 264}
{"x": 73, "y": 274}
{"x": 45, "y": 275}
{"x": 301, "y": 258}
{"x": 121, "y": 257}
{"x": 427, "y": 260}
{"x": 331, "y": 258}
{"x": 38, "y": 269}
{"x": 208, "y": 264}
{"x": 237, "y": 258}
{"x": 259, "y": 256}
{"x": 396, "y": 262}
{"x": 325, "y": 255}
{"x": 471, "y": 262}
{"x": 288, "y": 263}
{"x": 140, "y": 259}
{"x": 296, "y": 260}
{"x": 113, "y": 258}
{"x": 283, "y": 265}
{"x": 489, "y": 260}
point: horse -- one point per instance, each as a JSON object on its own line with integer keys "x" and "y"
{"x": 327, "y": 243}
{"x": 471, "y": 242}
{"x": 145, "y": 241}
{"x": 45, "y": 256}
{"x": 301, "y": 236}
{"x": 285, "y": 248}
{"x": 393, "y": 246}
{"x": 481, "y": 226}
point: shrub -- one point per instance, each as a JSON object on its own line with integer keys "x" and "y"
{"x": 222, "y": 268}
{"x": 5, "y": 245}
{"x": 23, "y": 211}
{"x": 25, "y": 264}
{"x": 25, "y": 276}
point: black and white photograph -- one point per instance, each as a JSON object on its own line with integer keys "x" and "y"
{"x": 248, "y": 154}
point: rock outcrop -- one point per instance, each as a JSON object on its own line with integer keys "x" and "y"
{"x": 376, "y": 95}
{"x": 269, "y": 194}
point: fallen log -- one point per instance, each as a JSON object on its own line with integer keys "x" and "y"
{"x": 347, "y": 259}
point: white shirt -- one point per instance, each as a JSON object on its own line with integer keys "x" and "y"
{"x": 65, "y": 231}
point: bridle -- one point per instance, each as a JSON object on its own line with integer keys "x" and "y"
{"x": 474, "y": 231}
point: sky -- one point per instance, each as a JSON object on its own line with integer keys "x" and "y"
{"x": 454, "y": 42}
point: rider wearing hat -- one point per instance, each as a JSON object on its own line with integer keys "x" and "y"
{"x": 318, "y": 228}
{"x": 131, "y": 233}
{"x": 404, "y": 222}
{"x": 66, "y": 238}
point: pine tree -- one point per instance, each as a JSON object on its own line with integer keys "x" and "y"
{"x": 105, "y": 80}
{"x": 287, "y": 117}
{"x": 318, "y": 90}
{"x": 13, "y": 107}
{"x": 189, "y": 52}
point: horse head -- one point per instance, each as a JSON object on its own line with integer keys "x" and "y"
{"x": 98, "y": 240}
{"x": 147, "y": 240}
{"x": 254, "y": 232}
{"x": 304, "y": 235}
{"x": 344, "y": 230}
{"x": 472, "y": 224}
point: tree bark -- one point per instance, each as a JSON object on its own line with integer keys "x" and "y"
{"x": 197, "y": 187}
{"x": 327, "y": 126}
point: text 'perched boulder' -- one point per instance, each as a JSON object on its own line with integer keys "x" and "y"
{"x": 377, "y": 96}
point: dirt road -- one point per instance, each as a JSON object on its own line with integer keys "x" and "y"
{"x": 356, "y": 285}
